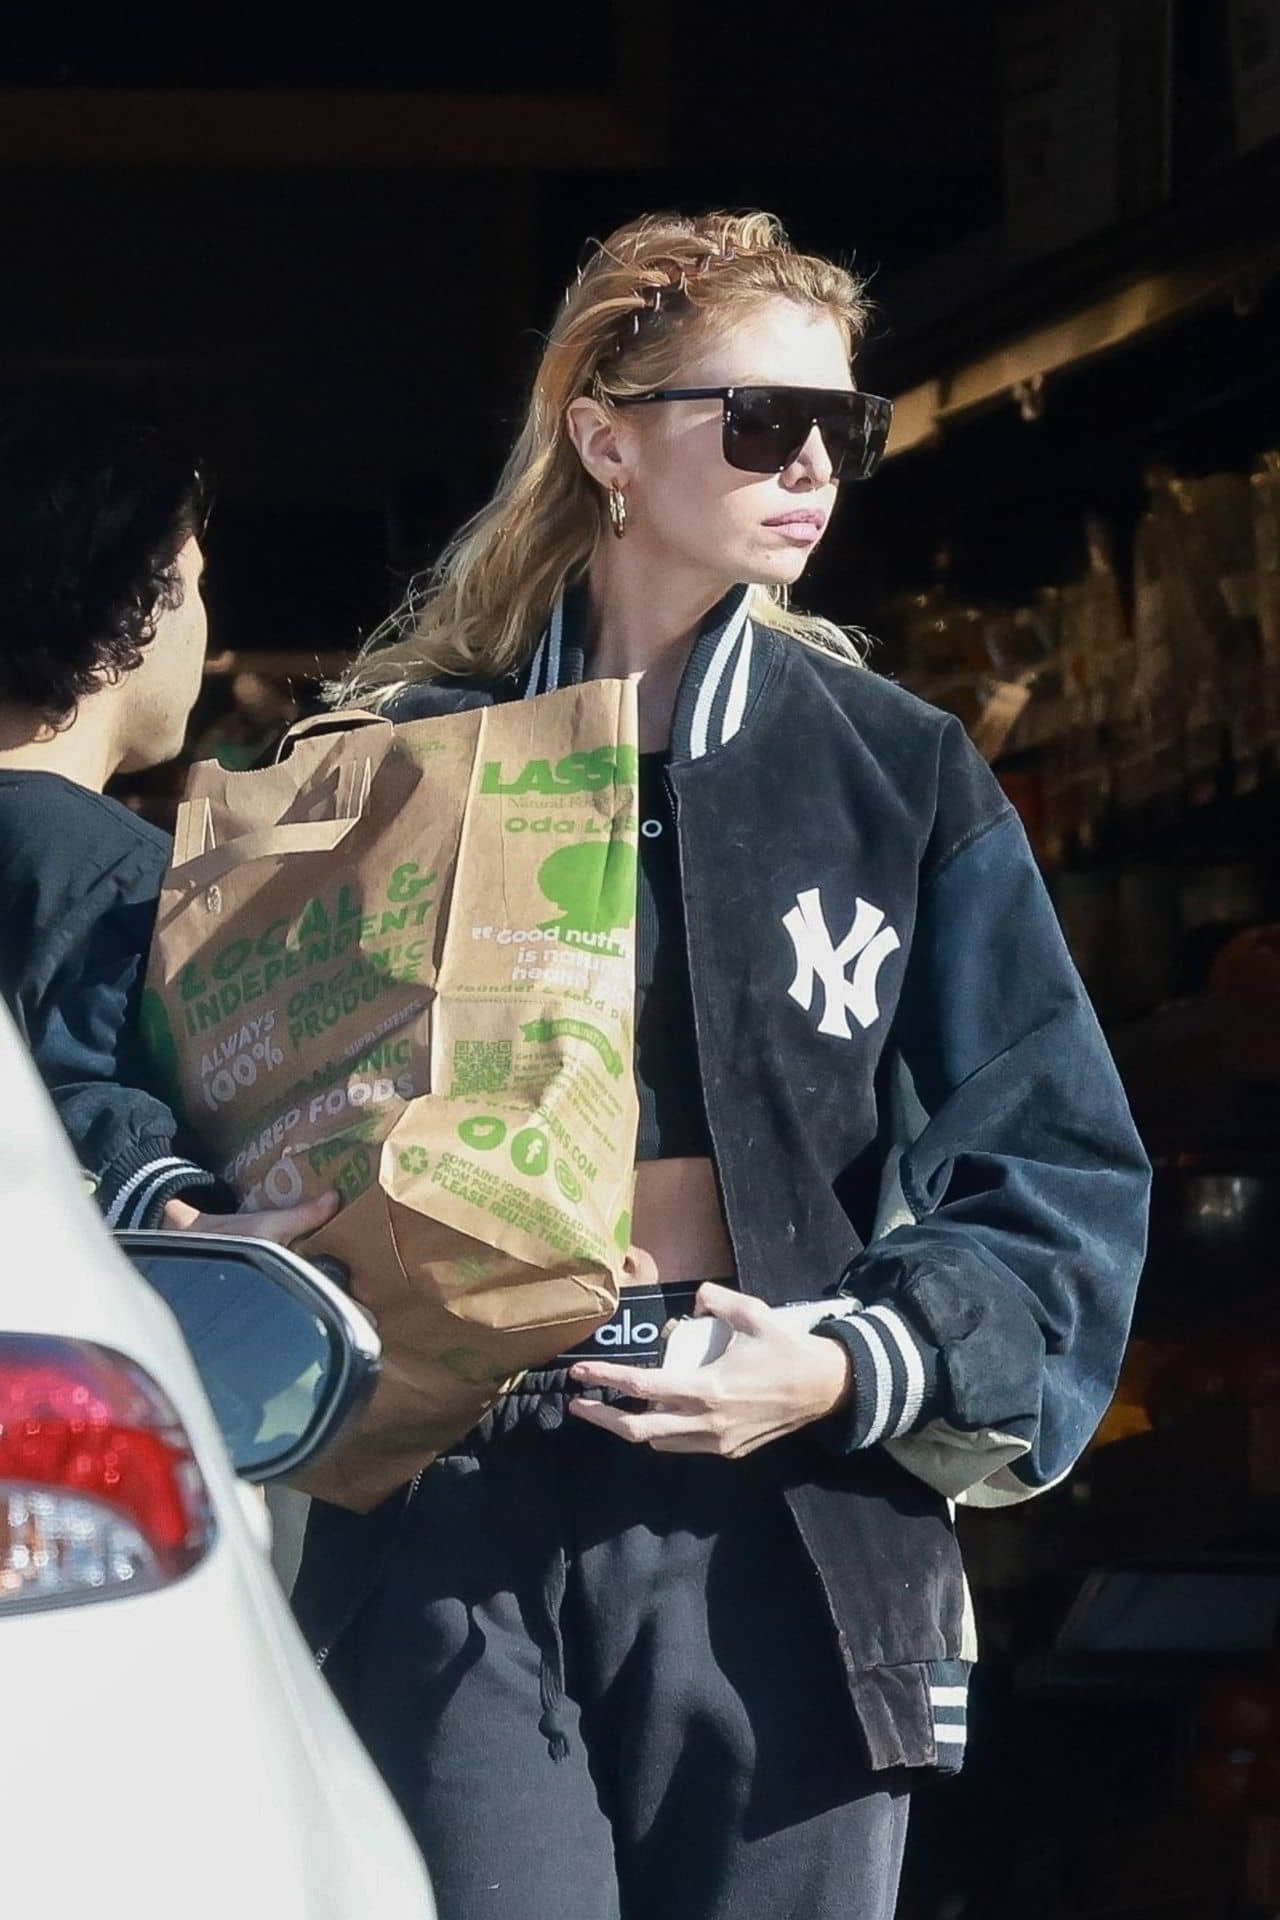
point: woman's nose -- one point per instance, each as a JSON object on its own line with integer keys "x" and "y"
{"x": 812, "y": 465}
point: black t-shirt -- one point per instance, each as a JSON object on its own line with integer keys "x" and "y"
{"x": 673, "y": 1121}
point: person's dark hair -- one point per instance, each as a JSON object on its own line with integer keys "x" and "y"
{"x": 95, "y": 507}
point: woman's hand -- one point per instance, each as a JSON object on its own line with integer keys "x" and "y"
{"x": 284, "y": 1225}
{"x": 768, "y": 1382}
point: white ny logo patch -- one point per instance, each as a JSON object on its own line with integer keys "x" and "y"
{"x": 868, "y": 942}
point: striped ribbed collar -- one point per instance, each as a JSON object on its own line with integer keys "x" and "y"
{"x": 723, "y": 676}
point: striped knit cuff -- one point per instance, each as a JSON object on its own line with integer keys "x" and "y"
{"x": 134, "y": 1195}
{"x": 948, "y": 1682}
{"x": 896, "y": 1381}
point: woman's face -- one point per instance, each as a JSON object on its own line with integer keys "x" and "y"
{"x": 687, "y": 503}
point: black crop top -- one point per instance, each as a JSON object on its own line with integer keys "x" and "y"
{"x": 673, "y": 1121}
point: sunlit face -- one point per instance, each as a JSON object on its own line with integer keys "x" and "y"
{"x": 687, "y": 504}
{"x": 163, "y": 689}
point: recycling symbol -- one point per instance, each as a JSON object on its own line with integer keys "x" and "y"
{"x": 414, "y": 1160}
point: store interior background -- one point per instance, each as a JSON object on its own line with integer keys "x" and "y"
{"x": 327, "y": 249}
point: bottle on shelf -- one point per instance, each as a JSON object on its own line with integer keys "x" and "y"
{"x": 1146, "y": 719}
{"x": 1264, "y": 487}
{"x": 1094, "y": 634}
{"x": 1212, "y": 585}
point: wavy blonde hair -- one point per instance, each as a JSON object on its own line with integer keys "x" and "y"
{"x": 646, "y": 297}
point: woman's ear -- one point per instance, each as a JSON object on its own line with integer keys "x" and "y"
{"x": 596, "y": 437}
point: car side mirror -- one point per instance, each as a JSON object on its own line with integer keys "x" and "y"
{"x": 285, "y": 1357}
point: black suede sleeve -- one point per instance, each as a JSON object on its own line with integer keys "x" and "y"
{"x": 1023, "y": 1182}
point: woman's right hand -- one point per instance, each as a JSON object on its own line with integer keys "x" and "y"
{"x": 284, "y": 1225}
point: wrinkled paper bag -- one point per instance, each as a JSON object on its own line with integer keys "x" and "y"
{"x": 400, "y": 964}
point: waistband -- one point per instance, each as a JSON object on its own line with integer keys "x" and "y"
{"x": 538, "y": 1398}
{"x": 634, "y": 1333}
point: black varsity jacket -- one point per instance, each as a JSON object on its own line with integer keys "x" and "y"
{"x": 909, "y": 1101}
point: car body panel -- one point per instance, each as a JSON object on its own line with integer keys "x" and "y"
{"x": 175, "y": 1751}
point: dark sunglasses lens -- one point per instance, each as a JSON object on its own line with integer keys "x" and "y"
{"x": 855, "y": 433}
{"x": 766, "y": 428}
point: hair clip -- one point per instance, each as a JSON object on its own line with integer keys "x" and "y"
{"x": 650, "y": 304}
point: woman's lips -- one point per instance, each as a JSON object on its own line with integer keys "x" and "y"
{"x": 800, "y": 529}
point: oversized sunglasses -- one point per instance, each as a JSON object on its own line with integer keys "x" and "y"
{"x": 765, "y": 428}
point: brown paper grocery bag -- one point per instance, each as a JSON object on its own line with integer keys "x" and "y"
{"x": 400, "y": 963}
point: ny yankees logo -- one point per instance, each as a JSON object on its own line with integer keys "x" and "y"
{"x": 868, "y": 942}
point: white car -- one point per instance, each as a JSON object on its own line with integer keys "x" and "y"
{"x": 169, "y": 1747}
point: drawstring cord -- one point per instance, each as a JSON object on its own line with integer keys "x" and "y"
{"x": 551, "y": 1667}
{"x": 550, "y": 1415}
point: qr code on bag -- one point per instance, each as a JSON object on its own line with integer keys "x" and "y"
{"x": 481, "y": 1066}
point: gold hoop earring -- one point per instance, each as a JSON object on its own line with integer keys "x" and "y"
{"x": 618, "y": 510}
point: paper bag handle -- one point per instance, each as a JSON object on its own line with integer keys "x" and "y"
{"x": 341, "y": 720}
{"x": 198, "y": 860}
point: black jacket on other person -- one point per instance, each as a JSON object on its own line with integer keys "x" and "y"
{"x": 79, "y": 880}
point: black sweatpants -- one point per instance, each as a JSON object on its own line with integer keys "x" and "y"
{"x": 603, "y": 1685}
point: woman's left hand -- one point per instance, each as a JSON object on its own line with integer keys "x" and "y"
{"x": 768, "y": 1382}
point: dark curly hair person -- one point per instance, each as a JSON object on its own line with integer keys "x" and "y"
{"x": 102, "y": 642}
{"x": 100, "y": 559}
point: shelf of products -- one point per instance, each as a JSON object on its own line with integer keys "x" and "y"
{"x": 1128, "y": 701}
{"x": 1095, "y": 709}
{"x": 1014, "y": 371}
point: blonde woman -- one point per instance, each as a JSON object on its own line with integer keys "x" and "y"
{"x": 660, "y": 1645}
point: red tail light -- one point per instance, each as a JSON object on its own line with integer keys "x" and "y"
{"x": 100, "y": 1493}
